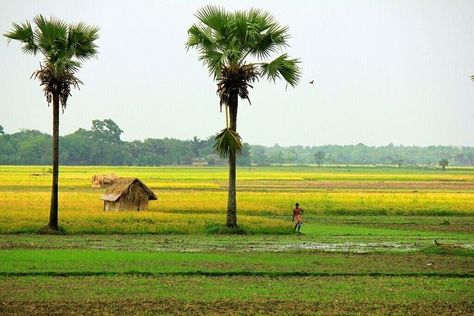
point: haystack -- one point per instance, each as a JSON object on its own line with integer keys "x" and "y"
{"x": 103, "y": 180}
{"x": 127, "y": 194}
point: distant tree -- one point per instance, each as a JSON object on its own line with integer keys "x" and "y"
{"x": 276, "y": 155}
{"x": 331, "y": 158}
{"x": 106, "y": 131}
{"x": 398, "y": 161}
{"x": 244, "y": 157}
{"x": 233, "y": 46}
{"x": 63, "y": 47}
{"x": 443, "y": 163}
{"x": 2, "y": 132}
{"x": 76, "y": 148}
{"x": 319, "y": 157}
{"x": 291, "y": 156}
{"x": 36, "y": 149}
{"x": 258, "y": 155}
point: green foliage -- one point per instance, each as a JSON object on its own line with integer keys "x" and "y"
{"x": 106, "y": 131}
{"x": 222, "y": 229}
{"x": 226, "y": 39}
{"x": 226, "y": 42}
{"x": 102, "y": 146}
{"x": 257, "y": 263}
{"x": 319, "y": 157}
{"x": 63, "y": 46}
{"x": 443, "y": 163}
{"x": 282, "y": 67}
{"x": 228, "y": 142}
{"x": 237, "y": 295}
{"x": 2, "y": 132}
{"x": 448, "y": 250}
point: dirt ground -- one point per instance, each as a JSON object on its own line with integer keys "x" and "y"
{"x": 130, "y": 307}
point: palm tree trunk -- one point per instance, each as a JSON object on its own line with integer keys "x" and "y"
{"x": 53, "y": 213}
{"x": 232, "y": 196}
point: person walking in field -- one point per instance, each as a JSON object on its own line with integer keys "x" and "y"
{"x": 297, "y": 217}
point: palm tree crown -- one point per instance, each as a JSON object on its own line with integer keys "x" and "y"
{"x": 227, "y": 40}
{"x": 235, "y": 47}
{"x": 63, "y": 46}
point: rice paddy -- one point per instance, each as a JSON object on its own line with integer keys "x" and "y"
{"x": 407, "y": 232}
{"x": 190, "y": 200}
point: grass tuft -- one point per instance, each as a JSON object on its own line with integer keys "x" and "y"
{"x": 448, "y": 250}
{"x": 48, "y": 230}
{"x": 222, "y": 229}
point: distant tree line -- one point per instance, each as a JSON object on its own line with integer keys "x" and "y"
{"x": 102, "y": 145}
{"x": 361, "y": 154}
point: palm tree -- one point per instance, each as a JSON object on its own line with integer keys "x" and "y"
{"x": 64, "y": 47}
{"x": 235, "y": 47}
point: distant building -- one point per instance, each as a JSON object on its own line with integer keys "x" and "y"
{"x": 127, "y": 194}
{"x": 215, "y": 160}
{"x": 200, "y": 162}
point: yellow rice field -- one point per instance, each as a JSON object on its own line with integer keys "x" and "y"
{"x": 190, "y": 200}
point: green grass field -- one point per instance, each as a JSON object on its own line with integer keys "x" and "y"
{"x": 367, "y": 245}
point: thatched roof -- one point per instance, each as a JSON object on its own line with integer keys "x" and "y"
{"x": 130, "y": 189}
{"x": 103, "y": 180}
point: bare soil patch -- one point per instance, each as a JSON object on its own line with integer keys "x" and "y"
{"x": 230, "y": 307}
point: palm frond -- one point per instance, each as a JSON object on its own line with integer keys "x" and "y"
{"x": 23, "y": 33}
{"x": 239, "y": 27}
{"x": 200, "y": 37}
{"x": 214, "y": 17}
{"x": 64, "y": 66}
{"x": 269, "y": 41}
{"x": 51, "y": 36}
{"x": 214, "y": 61}
{"x": 228, "y": 142}
{"x": 63, "y": 46}
{"x": 265, "y": 36}
{"x": 81, "y": 40}
{"x": 282, "y": 67}
{"x": 225, "y": 40}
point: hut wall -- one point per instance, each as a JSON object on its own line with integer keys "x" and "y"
{"x": 144, "y": 205}
{"x": 123, "y": 205}
{"x": 128, "y": 205}
{"x": 111, "y": 206}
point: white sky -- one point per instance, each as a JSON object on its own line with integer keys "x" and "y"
{"x": 385, "y": 71}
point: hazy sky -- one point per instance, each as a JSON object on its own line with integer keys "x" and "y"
{"x": 385, "y": 71}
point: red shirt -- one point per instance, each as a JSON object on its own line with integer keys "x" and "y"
{"x": 297, "y": 211}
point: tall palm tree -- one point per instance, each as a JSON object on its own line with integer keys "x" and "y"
{"x": 64, "y": 47}
{"x": 236, "y": 47}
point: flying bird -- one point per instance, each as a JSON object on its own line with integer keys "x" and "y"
{"x": 311, "y": 82}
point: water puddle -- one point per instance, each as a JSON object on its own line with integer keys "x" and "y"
{"x": 304, "y": 246}
{"x": 349, "y": 247}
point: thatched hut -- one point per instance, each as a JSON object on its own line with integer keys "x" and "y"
{"x": 127, "y": 194}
